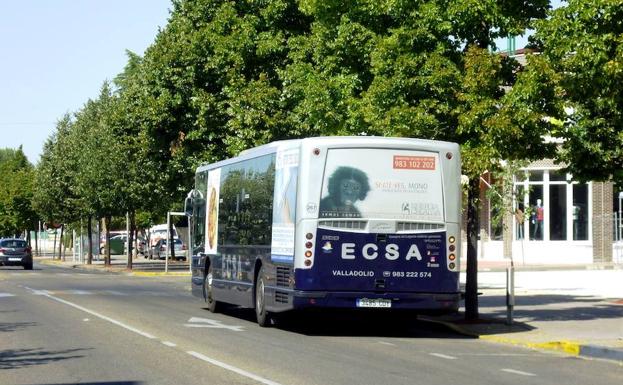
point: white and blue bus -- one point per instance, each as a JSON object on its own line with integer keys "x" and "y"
{"x": 331, "y": 222}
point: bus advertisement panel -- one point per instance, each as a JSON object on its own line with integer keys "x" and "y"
{"x": 382, "y": 184}
{"x": 284, "y": 206}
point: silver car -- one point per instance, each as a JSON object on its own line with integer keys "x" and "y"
{"x": 15, "y": 252}
{"x": 160, "y": 250}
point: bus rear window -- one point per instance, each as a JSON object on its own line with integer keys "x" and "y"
{"x": 382, "y": 184}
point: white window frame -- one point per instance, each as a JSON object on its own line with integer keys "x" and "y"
{"x": 546, "y": 205}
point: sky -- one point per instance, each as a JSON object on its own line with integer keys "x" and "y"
{"x": 56, "y": 54}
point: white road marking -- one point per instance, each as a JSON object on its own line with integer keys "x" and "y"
{"x": 169, "y": 344}
{"x": 114, "y": 292}
{"x": 386, "y": 343}
{"x": 86, "y": 320}
{"x": 80, "y": 292}
{"x": 98, "y": 315}
{"x": 232, "y": 368}
{"x": 6, "y": 295}
{"x": 442, "y": 356}
{"x": 211, "y": 323}
{"x": 39, "y": 292}
{"x": 513, "y": 371}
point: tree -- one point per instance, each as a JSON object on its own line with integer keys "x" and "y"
{"x": 582, "y": 54}
{"x": 16, "y": 212}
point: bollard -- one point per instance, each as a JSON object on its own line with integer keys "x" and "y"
{"x": 510, "y": 294}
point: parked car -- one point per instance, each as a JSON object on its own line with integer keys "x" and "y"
{"x": 15, "y": 252}
{"x": 160, "y": 250}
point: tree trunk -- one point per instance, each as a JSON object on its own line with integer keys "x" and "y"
{"x": 107, "y": 242}
{"x": 172, "y": 243}
{"x": 131, "y": 239}
{"x": 471, "y": 280}
{"x": 60, "y": 244}
{"x": 37, "y": 242}
{"x": 90, "y": 241}
{"x": 54, "y": 246}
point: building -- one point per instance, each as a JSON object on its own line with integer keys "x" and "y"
{"x": 553, "y": 220}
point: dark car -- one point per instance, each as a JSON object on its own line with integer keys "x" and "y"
{"x": 15, "y": 252}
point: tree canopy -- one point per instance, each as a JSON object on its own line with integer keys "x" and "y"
{"x": 582, "y": 64}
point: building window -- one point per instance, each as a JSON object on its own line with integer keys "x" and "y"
{"x": 550, "y": 207}
{"x": 557, "y": 212}
{"x": 537, "y": 212}
{"x": 580, "y": 212}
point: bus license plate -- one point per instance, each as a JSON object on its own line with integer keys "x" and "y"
{"x": 366, "y": 302}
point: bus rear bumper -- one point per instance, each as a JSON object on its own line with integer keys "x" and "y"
{"x": 424, "y": 302}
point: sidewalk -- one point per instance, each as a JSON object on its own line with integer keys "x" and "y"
{"x": 576, "y": 310}
{"x": 119, "y": 264}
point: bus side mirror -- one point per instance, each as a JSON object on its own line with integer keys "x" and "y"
{"x": 189, "y": 203}
{"x": 188, "y": 207}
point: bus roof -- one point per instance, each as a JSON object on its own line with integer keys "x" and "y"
{"x": 354, "y": 141}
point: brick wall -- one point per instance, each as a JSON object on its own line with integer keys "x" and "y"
{"x": 602, "y": 221}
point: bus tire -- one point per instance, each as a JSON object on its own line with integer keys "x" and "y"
{"x": 213, "y": 305}
{"x": 263, "y": 316}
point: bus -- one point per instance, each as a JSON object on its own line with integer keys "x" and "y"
{"x": 329, "y": 222}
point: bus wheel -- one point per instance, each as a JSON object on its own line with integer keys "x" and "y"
{"x": 263, "y": 317}
{"x": 213, "y": 305}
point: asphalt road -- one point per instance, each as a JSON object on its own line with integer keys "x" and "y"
{"x": 61, "y": 326}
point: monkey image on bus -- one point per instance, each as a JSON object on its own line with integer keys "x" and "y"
{"x": 346, "y": 186}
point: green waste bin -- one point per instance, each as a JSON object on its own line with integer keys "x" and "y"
{"x": 116, "y": 246}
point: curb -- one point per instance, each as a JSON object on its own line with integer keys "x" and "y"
{"x": 159, "y": 274}
{"x": 572, "y": 348}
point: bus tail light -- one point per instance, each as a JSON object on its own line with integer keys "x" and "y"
{"x": 306, "y": 250}
{"x": 452, "y": 254}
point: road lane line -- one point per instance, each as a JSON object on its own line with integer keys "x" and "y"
{"x": 442, "y": 356}
{"x": 6, "y": 295}
{"x": 386, "y": 343}
{"x": 115, "y": 292}
{"x": 513, "y": 371}
{"x": 169, "y": 344}
{"x": 98, "y": 315}
{"x": 79, "y": 292}
{"x": 232, "y": 368}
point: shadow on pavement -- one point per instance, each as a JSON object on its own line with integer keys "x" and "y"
{"x": 550, "y": 307}
{"x": 20, "y": 358}
{"x": 15, "y": 326}
{"x": 100, "y": 383}
{"x": 337, "y": 323}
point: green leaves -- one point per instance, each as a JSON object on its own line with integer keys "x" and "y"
{"x": 16, "y": 189}
{"x": 582, "y": 46}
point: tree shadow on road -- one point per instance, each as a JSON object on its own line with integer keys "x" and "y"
{"x": 21, "y": 358}
{"x": 15, "y": 326}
